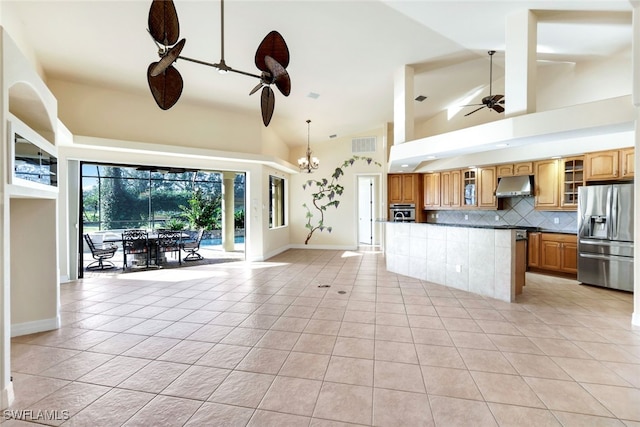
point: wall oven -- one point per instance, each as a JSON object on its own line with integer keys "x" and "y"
{"x": 402, "y": 212}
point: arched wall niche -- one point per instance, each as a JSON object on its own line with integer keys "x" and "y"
{"x": 26, "y": 104}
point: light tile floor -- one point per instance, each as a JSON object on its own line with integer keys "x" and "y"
{"x": 263, "y": 344}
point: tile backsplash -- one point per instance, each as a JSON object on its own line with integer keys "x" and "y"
{"x": 518, "y": 211}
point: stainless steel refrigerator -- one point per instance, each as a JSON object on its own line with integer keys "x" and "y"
{"x": 605, "y": 236}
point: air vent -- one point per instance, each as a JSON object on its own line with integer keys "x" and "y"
{"x": 363, "y": 145}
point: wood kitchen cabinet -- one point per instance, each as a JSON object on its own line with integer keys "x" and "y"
{"x": 602, "y": 165}
{"x": 559, "y": 252}
{"x": 431, "y": 185}
{"x": 610, "y": 165}
{"x": 515, "y": 169}
{"x": 546, "y": 185}
{"x": 469, "y": 187}
{"x": 487, "y": 183}
{"x": 403, "y": 188}
{"x": 553, "y": 252}
{"x": 571, "y": 178}
{"x": 627, "y": 163}
{"x": 450, "y": 190}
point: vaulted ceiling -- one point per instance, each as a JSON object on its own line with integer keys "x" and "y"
{"x": 343, "y": 53}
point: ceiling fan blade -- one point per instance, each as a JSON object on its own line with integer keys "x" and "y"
{"x": 168, "y": 59}
{"x": 498, "y": 108}
{"x": 166, "y": 87}
{"x": 255, "y": 89}
{"x": 471, "y": 105}
{"x": 279, "y": 75}
{"x": 163, "y": 22}
{"x": 267, "y": 104}
{"x": 477, "y": 109}
{"x": 272, "y": 45}
{"x": 496, "y": 98}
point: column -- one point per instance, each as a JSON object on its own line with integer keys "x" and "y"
{"x": 228, "y": 226}
{"x": 635, "y": 320}
{"x": 521, "y": 35}
{"x": 403, "y": 116}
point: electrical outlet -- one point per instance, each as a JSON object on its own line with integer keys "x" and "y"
{"x": 458, "y": 268}
{"x": 556, "y": 220}
{"x": 497, "y": 218}
{"x": 436, "y": 215}
{"x": 466, "y": 217}
{"x": 433, "y": 216}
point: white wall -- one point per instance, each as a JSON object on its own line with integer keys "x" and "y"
{"x": 344, "y": 219}
{"x": 558, "y": 85}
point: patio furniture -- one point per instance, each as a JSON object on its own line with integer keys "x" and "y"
{"x": 101, "y": 255}
{"x": 192, "y": 246}
{"x": 135, "y": 242}
{"x": 168, "y": 241}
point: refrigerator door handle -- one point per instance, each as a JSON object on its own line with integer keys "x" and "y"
{"x": 614, "y": 214}
{"x": 607, "y": 211}
{"x": 606, "y": 257}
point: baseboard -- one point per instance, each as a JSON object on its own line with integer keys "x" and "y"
{"x": 6, "y": 396}
{"x": 324, "y": 247}
{"x": 270, "y": 254}
{"x": 26, "y": 328}
{"x": 635, "y": 318}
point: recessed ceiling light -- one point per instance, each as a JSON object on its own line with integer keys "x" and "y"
{"x": 431, "y": 157}
{"x": 556, "y": 157}
{"x": 333, "y": 136}
{"x": 313, "y": 95}
{"x": 404, "y": 166}
{"x": 420, "y": 98}
{"x": 502, "y": 145}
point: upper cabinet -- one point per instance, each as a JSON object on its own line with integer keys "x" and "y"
{"x": 487, "y": 184}
{"x": 450, "y": 191}
{"x": 469, "y": 184}
{"x": 431, "y": 185}
{"x": 627, "y": 163}
{"x": 546, "y": 184}
{"x": 403, "y": 188}
{"x": 515, "y": 169}
{"x": 610, "y": 165}
{"x": 571, "y": 178}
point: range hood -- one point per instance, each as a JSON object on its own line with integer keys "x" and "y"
{"x": 510, "y": 186}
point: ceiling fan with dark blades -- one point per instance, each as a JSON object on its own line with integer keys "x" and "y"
{"x": 492, "y": 102}
{"x": 165, "y": 82}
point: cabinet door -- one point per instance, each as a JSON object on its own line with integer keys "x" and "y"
{"x": 455, "y": 193}
{"x": 534, "y": 249}
{"x": 550, "y": 256}
{"x": 504, "y": 170}
{"x": 546, "y": 183}
{"x": 409, "y": 187}
{"x": 569, "y": 257}
{"x": 394, "y": 184}
{"x": 469, "y": 184}
{"x": 627, "y": 163}
{"x": 525, "y": 168}
{"x": 571, "y": 177}
{"x": 445, "y": 185}
{"x": 601, "y": 165}
{"x": 487, "y": 183}
{"x": 431, "y": 190}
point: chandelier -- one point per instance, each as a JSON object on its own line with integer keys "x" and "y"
{"x": 308, "y": 164}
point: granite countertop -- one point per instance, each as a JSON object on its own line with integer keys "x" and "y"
{"x": 495, "y": 227}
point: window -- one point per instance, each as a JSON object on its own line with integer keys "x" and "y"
{"x": 276, "y": 202}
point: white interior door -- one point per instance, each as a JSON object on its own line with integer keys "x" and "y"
{"x": 367, "y": 190}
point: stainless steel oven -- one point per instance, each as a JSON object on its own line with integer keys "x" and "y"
{"x": 402, "y": 212}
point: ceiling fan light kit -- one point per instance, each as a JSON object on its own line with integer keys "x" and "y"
{"x": 492, "y": 102}
{"x": 166, "y": 84}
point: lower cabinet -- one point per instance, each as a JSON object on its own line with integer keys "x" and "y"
{"x": 553, "y": 252}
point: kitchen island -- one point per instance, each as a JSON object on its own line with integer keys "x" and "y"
{"x": 475, "y": 259}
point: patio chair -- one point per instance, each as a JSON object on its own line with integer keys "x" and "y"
{"x": 100, "y": 255}
{"x": 168, "y": 241}
{"x": 135, "y": 242}
{"x": 192, "y": 246}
